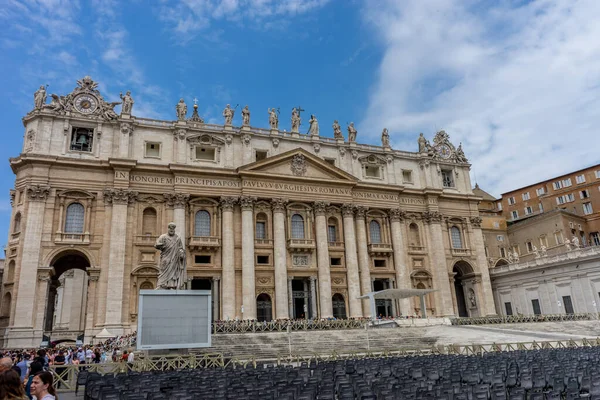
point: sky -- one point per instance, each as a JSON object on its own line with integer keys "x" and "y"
{"x": 516, "y": 82}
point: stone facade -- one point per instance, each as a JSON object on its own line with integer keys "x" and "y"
{"x": 276, "y": 224}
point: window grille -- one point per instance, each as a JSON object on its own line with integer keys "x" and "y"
{"x": 74, "y": 219}
{"x": 375, "y": 231}
{"x": 202, "y": 223}
{"x": 332, "y": 233}
{"x": 456, "y": 238}
{"x": 297, "y": 226}
{"x": 261, "y": 232}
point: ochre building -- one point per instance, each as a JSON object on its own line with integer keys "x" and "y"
{"x": 276, "y": 224}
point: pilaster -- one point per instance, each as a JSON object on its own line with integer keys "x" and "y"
{"x": 363, "y": 258}
{"x": 433, "y": 220}
{"x": 248, "y": 276}
{"x": 487, "y": 298}
{"x": 354, "y": 302}
{"x": 324, "y": 273}
{"x": 280, "y": 256}
{"x": 402, "y": 269}
{"x": 227, "y": 261}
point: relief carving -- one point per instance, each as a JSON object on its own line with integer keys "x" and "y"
{"x": 227, "y": 203}
{"x": 119, "y": 196}
{"x": 298, "y": 165}
{"x": 431, "y": 216}
{"x": 38, "y": 192}
{"x": 476, "y": 222}
{"x": 348, "y": 210}
{"x": 320, "y": 207}
{"x": 247, "y": 202}
{"x": 397, "y": 214}
{"x": 278, "y": 204}
{"x": 176, "y": 200}
{"x": 361, "y": 212}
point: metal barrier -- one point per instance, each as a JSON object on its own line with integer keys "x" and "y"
{"x": 523, "y": 318}
{"x": 285, "y": 325}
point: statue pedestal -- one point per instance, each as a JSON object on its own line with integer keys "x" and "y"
{"x": 245, "y": 128}
{"x": 227, "y": 128}
{"x": 274, "y": 132}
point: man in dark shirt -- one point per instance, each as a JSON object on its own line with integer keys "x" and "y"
{"x": 59, "y": 359}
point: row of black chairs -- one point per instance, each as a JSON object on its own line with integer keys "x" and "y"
{"x": 572, "y": 373}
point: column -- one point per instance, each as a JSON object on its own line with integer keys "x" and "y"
{"x": 216, "y": 294}
{"x": 227, "y": 262}
{"x": 94, "y": 275}
{"x": 248, "y": 279}
{"x": 487, "y": 299}
{"x": 391, "y": 286}
{"x": 354, "y": 302}
{"x": 290, "y": 297}
{"x": 179, "y": 203}
{"x": 324, "y": 274}
{"x": 120, "y": 199}
{"x": 67, "y": 303}
{"x": 43, "y": 277}
{"x": 280, "y": 265}
{"x": 126, "y": 130}
{"x": 313, "y": 297}
{"x": 59, "y": 300}
{"x": 363, "y": 259}
{"x": 402, "y": 269}
{"x": 441, "y": 282}
{"x": 31, "y": 239}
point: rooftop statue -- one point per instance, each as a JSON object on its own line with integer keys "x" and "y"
{"x": 296, "y": 120}
{"x": 246, "y": 116}
{"x": 422, "y": 143}
{"x": 228, "y": 114}
{"x": 172, "y": 260}
{"x": 314, "y": 126}
{"x": 385, "y": 138}
{"x": 127, "y": 102}
{"x": 181, "y": 109}
{"x": 273, "y": 118}
{"x": 337, "y": 130}
{"x": 39, "y": 98}
{"x": 352, "y": 132}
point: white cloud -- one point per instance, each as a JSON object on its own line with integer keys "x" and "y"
{"x": 516, "y": 83}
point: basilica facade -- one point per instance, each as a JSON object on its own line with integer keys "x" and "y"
{"x": 277, "y": 224}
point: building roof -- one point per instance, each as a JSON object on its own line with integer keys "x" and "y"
{"x": 482, "y": 193}
{"x": 551, "y": 179}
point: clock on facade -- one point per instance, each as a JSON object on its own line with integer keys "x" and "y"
{"x": 444, "y": 151}
{"x": 85, "y": 104}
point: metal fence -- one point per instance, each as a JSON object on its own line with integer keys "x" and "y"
{"x": 287, "y": 325}
{"x": 523, "y": 318}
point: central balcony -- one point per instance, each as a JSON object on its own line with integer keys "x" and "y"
{"x": 301, "y": 245}
{"x": 380, "y": 248}
{"x": 204, "y": 243}
{"x": 461, "y": 252}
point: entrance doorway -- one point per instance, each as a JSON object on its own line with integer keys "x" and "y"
{"x": 208, "y": 284}
{"x": 339, "y": 306}
{"x": 201, "y": 284}
{"x": 301, "y": 300}
{"x": 461, "y": 270}
{"x": 264, "y": 308}
{"x": 383, "y": 307}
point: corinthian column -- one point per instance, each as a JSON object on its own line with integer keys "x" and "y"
{"x": 179, "y": 202}
{"x": 227, "y": 264}
{"x": 363, "y": 258}
{"x": 351, "y": 262}
{"x": 433, "y": 220}
{"x": 31, "y": 239}
{"x": 120, "y": 199}
{"x": 486, "y": 286}
{"x": 280, "y": 253}
{"x": 402, "y": 269}
{"x": 323, "y": 260}
{"x": 248, "y": 279}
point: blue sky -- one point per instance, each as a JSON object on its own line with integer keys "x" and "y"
{"x": 517, "y": 82}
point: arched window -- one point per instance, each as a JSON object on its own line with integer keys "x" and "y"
{"x": 264, "y": 308}
{"x": 332, "y": 235}
{"x": 6, "y": 305}
{"x": 375, "y": 231}
{"x": 149, "y": 222}
{"x": 74, "y": 219}
{"x": 339, "y": 306}
{"x": 202, "y": 223}
{"x": 10, "y": 276}
{"x": 456, "y": 238}
{"x": 17, "y": 223}
{"x": 261, "y": 226}
{"x": 413, "y": 235}
{"x": 297, "y": 226}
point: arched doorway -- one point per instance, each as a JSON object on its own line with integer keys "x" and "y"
{"x": 264, "y": 308}
{"x": 339, "y": 306}
{"x": 461, "y": 270}
{"x": 67, "y": 295}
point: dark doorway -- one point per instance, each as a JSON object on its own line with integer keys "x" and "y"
{"x": 264, "y": 308}
{"x": 383, "y": 307}
{"x": 339, "y": 306}
{"x": 201, "y": 284}
{"x": 460, "y": 293}
{"x": 568, "y": 305}
{"x": 300, "y": 299}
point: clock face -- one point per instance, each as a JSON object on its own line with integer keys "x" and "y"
{"x": 85, "y": 104}
{"x": 444, "y": 151}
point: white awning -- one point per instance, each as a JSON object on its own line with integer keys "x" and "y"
{"x": 104, "y": 334}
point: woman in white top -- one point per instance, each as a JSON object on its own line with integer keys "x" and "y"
{"x": 41, "y": 386}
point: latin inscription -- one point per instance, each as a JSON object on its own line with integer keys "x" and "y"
{"x": 412, "y": 200}
{"x": 376, "y": 196}
{"x": 296, "y": 188}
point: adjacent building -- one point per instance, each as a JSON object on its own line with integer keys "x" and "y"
{"x": 277, "y": 224}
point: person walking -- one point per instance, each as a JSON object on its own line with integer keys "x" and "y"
{"x": 42, "y": 388}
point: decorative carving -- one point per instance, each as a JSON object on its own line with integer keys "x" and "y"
{"x": 397, "y": 214}
{"x": 275, "y": 142}
{"x": 228, "y": 138}
{"x": 38, "y": 192}
{"x": 263, "y": 280}
{"x": 12, "y": 194}
{"x": 181, "y": 110}
{"x": 460, "y": 155}
{"x": 127, "y": 101}
{"x": 352, "y": 132}
{"x": 29, "y": 140}
{"x": 385, "y": 138}
{"x": 119, "y": 196}
{"x": 246, "y": 139}
{"x": 317, "y": 147}
{"x": 354, "y": 154}
{"x": 320, "y": 207}
{"x": 247, "y": 202}
{"x": 150, "y": 199}
{"x": 246, "y": 116}
{"x": 313, "y": 129}
{"x": 389, "y": 159}
{"x": 296, "y": 120}
{"x": 172, "y": 260}
{"x": 176, "y": 200}
{"x": 476, "y": 221}
{"x": 298, "y": 165}
{"x": 228, "y": 114}
{"x": 126, "y": 129}
{"x": 337, "y": 130}
{"x": 472, "y": 298}
{"x": 278, "y": 204}
{"x": 431, "y": 216}
{"x": 93, "y": 278}
{"x": 273, "y": 118}
{"x": 348, "y": 210}
{"x": 39, "y": 98}
{"x": 342, "y": 151}
{"x": 43, "y": 278}
{"x": 227, "y": 203}
{"x": 195, "y": 116}
{"x": 361, "y": 212}
{"x": 422, "y": 143}
{"x": 179, "y": 133}
{"x": 300, "y": 260}
{"x": 337, "y": 281}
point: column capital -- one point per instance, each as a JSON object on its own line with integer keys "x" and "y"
{"x": 431, "y": 217}
{"x": 119, "y": 196}
{"x": 361, "y": 211}
{"x": 227, "y": 203}
{"x": 176, "y": 199}
{"x": 320, "y": 207}
{"x": 348, "y": 210}
{"x": 476, "y": 222}
{"x": 278, "y": 204}
{"x": 247, "y": 202}
{"x": 312, "y": 278}
{"x": 216, "y": 278}
{"x": 38, "y": 192}
{"x": 397, "y": 214}
{"x": 290, "y": 279}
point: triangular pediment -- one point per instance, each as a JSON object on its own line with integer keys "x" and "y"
{"x": 297, "y": 163}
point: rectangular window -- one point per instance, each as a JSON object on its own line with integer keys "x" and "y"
{"x": 379, "y": 263}
{"x": 82, "y": 139}
{"x": 508, "y": 308}
{"x": 502, "y": 252}
{"x": 372, "y": 171}
{"x": 598, "y": 174}
{"x": 199, "y": 259}
{"x": 560, "y": 200}
{"x": 499, "y": 206}
{"x": 331, "y": 233}
{"x": 570, "y": 197}
{"x": 261, "y": 230}
{"x": 528, "y": 210}
{"x": 205, "y": 153}
{"x": 330, "y": 161}
{"x": 500, "y": 238}
{"x": 447, "y": 178}
{"x": 336, "y": 261}
{"x": 540, "y": 191}
{"x": 580, "y": 178}
{"x": 407, "y": 176}
{"x": 152, "y": 150}
{"x": 595, "y": 238}
{"x": 262, "y": 259}
{"x": 568, "y": 304}
{"x": 529, "y": 246}
{"x": 515, "y": 214}
{"x": 587, "y": 208}
{"x": 558, "y": 238}
{"x": 566, "y": 182}
{"x": 260, "y": 155}
{"x": 557, "y": 185}
{"x": 584, "y": 194}
{"x": 511, "y": 201}
{"x": 525, "y": 196}
{"x": 535, "y": 303}
{"x": 541, "y": 208}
